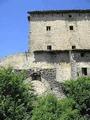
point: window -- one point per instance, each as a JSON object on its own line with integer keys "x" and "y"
{"x": 70, "y": 16}
{"x": 71, "y": 27}
{"x": 36, "y": 76}
{"x": 49, "y": 47}
{"x": 82, "y": 54}
{"x": 84, "y": 71}
{"x": 48, "y": 28}
{"x": 73, "y": 47}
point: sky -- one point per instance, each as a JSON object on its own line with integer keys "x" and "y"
{"x": 14, "y": 25}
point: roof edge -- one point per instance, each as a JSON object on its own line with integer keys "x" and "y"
{"x": 59, "y": 11}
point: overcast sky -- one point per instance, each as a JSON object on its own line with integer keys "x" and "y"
{"x": 14, "y": 24}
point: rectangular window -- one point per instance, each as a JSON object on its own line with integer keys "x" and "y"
{"x": 48, "y": 28}
{"x": 84, "y": 71}
{"x": 71, "y": 27}
{"x": 73, "y": 47}
{"x": 82, "y": 54}
{"x": 70, "y": 16}
{"x": 49, "y": 47}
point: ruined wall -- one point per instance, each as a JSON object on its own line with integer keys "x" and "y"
{"x": 48, "y": 78}
{"x": 17, "y": 61}
{"x": 60, "y": 37}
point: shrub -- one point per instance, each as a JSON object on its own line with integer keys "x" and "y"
{"x": 49, "y": 108}
{"x": 16, "y": 98}
{"x": 79, "y": 90}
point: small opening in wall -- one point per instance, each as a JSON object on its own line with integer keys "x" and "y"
{"x": 84, "y": 71}
{"x": 36, "y": 76}
{"x": 49, "y": 47}
{"x": 71, "y": 27}
{"x": 70, "y": 16}
{"x": 48, "y": 28}
{"x": 73, "y": 47}
{"x": 82, "y": 54}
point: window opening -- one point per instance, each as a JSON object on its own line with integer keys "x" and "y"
{"x": 82, "y": 54}
{"x": 36, "y": 76}
{"x": 73, "y": 47}
{"x": 71, "y": 27}
{"x": 49, "y": 47}
{"x": 84, "y": 71}
{"x": 48, "y": 28}
{"x": 70, "y": 16}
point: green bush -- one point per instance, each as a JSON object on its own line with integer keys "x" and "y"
{"x": 79, "y": 90}
{"x": 50, "y": 108}
{"x": 17, "y": 101}
{"x": 16, "y": 97}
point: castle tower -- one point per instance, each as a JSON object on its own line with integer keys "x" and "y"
{"x": 59, "y": 30}
{"x": 61, "y": 38}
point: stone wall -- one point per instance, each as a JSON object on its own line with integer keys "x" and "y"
{"x": 59, "y": 60}
{"x": 48, "y": 78}
{"x": 52, "y": 57}
{"x": 79, "y": 60}
{"x": 60, "y": 37}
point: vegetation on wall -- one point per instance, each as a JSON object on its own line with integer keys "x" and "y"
{"x": 17, "y": 100}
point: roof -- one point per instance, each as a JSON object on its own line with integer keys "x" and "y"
{"x": 60, "y": 11}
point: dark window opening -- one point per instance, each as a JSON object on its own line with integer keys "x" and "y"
{"x": 49, "y": 47}
{"x": 73, "y": 47}
{"x": 71, "y": 27}
{"x": 84, "y": 71}
{"x": 77, "y": 74}
{"x": 82, "y": 54}
{"x": 70, "y": 16}
{"x": 48, "y": 28}
{"x": 36, "y": 76}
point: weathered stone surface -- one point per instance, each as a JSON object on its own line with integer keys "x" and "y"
{"x": 60, "y": 37}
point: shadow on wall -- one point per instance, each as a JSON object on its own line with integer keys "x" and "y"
{"x": 82, "y": 56}
{"x": 61, "y": 16}
{"x": 52, "y": 57}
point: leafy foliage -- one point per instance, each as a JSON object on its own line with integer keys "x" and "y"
{"x": 17, "y": 101}
{"x": 16, "y": 98}
{"x": 50, "y": 108}
{"x": 79, "y": 90}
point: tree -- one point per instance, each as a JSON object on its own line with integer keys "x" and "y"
{"x": 16, "y": 97}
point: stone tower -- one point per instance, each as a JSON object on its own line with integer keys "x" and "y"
{"x": 59, "y": 30}
{"x": 62, "y": 38}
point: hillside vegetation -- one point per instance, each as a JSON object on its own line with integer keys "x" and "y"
{"x": 18, "y": 102}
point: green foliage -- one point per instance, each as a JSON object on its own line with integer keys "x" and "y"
{"x": 79, "y": 90}
{"x": 17, "y": 101}
{"x": 49, "y": 108}
{"x": 16, "y": 98}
